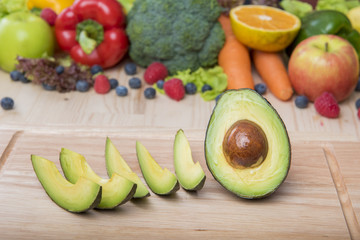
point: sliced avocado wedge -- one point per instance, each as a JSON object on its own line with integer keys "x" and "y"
{"x": 247, "y": 148}
{"x": 161, "y": 181}
{"x": 116, "y": 164}
{"x": 190, "y": 175}
{"x": 79, "y": 197}
{"x": 115, "y": 191}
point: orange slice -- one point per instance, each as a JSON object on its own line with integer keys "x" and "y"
{"x": 264, "y": 28}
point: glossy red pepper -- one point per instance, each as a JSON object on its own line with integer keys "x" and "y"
{"x": 96, "y": 26}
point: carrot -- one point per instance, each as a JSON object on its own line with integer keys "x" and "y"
{"x": 272, "y": 70}
{"x": 234, "y": 58}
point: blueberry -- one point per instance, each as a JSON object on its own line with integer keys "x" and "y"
{"x": 59, "y": 69}
{"x": 48, "y": 87}
{"x": 135, "y": 83}
{"x": 190, "y": 88}
{"x": 96, "y": 69}
{"x": 260, "y": 88}
{"x": 357, "y": 103}
{"x": 160, "y": 84}
{"x": 7, "y": 103}
{"x": 301, "y": 101}
{"x": 24, "y": 79}
{"x": 205, "y": 88}
{"x": 357, "y": 89}
{"x": 82, "y": 86}
{"x": 130, "y": 68}
{"x": 113, "y": 83}
{"x": 16, "y": 75}
{"x": 121, "y": 91}
{"x": 150, "y": 93}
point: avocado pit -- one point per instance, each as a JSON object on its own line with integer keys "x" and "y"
{"x": 245, "y": 145}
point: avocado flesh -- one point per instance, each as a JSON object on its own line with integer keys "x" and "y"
{"x": 116, "y": 164}
{"x": 251, "y": 182}
{"x": 115, "y": 191}
{"x": 190, "y": 175}
{"x": 79, "y": 197}
{"x": 160, "y": 180}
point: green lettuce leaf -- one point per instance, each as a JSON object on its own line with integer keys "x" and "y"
{"x": 215, "y": 77}
{"x": 296, "y": 7}
{"x": 10, "y": 6}
{"x": 338, "y": 5}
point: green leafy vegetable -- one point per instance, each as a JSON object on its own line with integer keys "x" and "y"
{"x": 338, "y": 5}
{"x": 10, "y": 6}
{"x": 43, "y": 70}
{"x": 215, "y": 77}
{"x": 296, "y": 7}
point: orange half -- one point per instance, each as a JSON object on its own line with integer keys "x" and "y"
{"x": 264, "y": 28}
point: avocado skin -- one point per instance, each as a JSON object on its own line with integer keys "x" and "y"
{"x": 198, "y": 187}
{"x": 174, "y": 190}
{"x": 97, "y": 200}
{"x": 288, "y": 139}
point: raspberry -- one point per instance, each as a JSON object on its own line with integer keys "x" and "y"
{"x": 102, "y": 84}
{"x": 155, "y": 72}
{"x": 174, "y": 88}
{"x": 327, "y": 106}
{"x": 49, "y": 16}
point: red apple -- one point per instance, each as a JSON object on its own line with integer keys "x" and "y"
{"x": 324, "y": 63}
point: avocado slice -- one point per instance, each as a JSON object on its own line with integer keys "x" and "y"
{"x": 115, "y": 191}
{"x": 161, "y": 181}
{"x": 116, "y": 164}
{"x": 79, "y": 197}
{"x": 190, "y": 175}
{"x": 247, "y": 148}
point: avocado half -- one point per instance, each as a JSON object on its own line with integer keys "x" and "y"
{"x": 247, "y": 148}
{"x": 160, "y": 180}
{"x": 116, "y": 164}
{"x": 190, "y": 175}
{"x": 79, "y": 197}
{"x": 115, "y": 191}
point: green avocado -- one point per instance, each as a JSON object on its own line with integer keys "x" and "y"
{"x": 160, "y": 180}
{"x": 116, "y": 164}
{"x": 79, "y": 197}
{"x": 190, "y": 175}
{"x": 247, "y": 148}
{"x": 115, "y": 191}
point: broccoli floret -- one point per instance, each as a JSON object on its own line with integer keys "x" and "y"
{"x": 182, "y": 34}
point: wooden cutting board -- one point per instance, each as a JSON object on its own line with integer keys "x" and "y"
{"x": 306, "y": 206}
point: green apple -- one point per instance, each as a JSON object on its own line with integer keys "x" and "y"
{"x": 26, "y": 35}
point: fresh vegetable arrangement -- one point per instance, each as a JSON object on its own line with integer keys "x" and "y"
{"x": 186, "y": 46}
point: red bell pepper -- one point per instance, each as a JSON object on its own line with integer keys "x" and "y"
{"x": 93, "y": 32}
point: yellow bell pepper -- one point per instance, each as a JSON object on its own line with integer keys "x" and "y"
{"x": 56, "y": 5}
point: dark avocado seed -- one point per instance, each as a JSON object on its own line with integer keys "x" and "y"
{"x": 245, "y": 144}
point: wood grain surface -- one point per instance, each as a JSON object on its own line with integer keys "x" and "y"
{"x": 305, "y": 206}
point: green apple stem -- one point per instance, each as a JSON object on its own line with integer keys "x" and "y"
{"x": 326, "y": 47}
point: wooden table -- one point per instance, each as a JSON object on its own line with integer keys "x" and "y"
{"x": 320, "y": 199}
